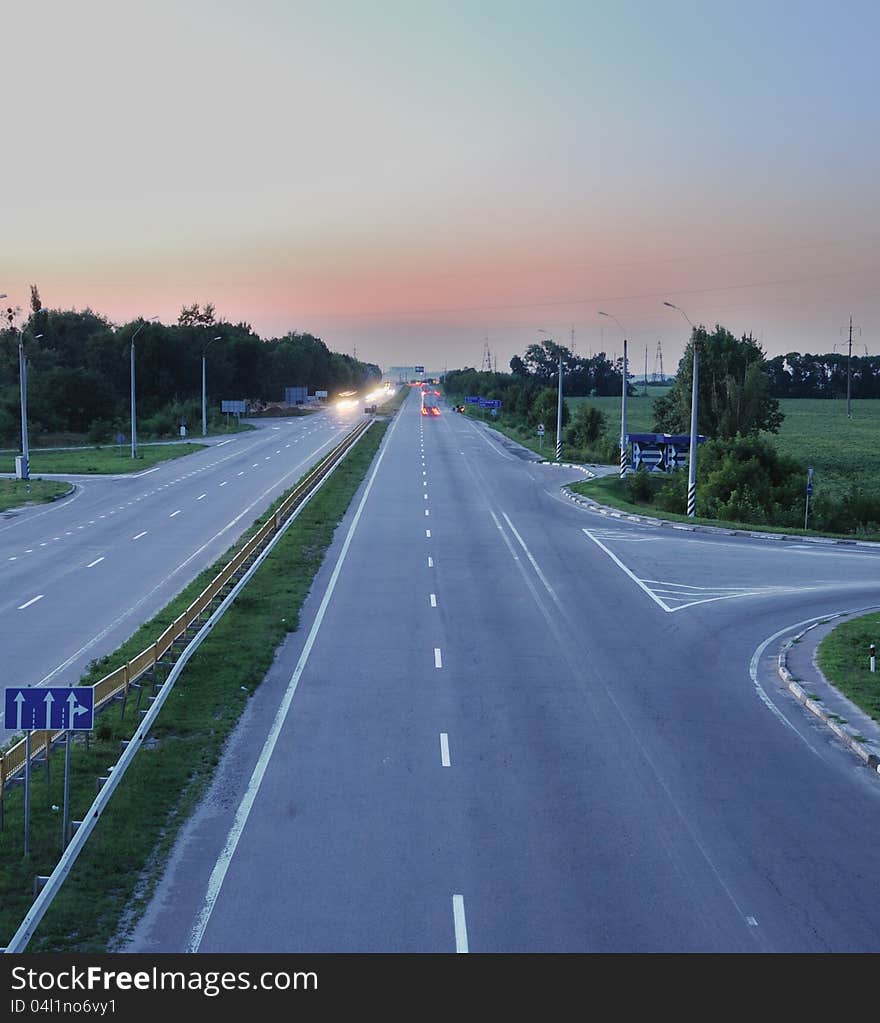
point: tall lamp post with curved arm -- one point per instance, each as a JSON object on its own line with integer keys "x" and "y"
{"x": 558, "y": 404}
{"x": 134, "y": 447}
{"x": 623, "y": 459}
{"x": 204, "y": 393}
{"x": 692, "y": 454}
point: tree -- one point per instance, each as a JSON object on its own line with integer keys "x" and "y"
{"x": 734, "y": 393}
{"x": 587, "y": 426}
{"x": 194, "y": 316}
{"x": 36, "y": 304}
{"x": 545, "y": 409}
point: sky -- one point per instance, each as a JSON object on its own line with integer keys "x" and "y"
{"x": 410, "y": 181}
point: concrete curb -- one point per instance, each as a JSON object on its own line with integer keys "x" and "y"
{"x": 647, "y": 520}
{"x": 867, "y": 750}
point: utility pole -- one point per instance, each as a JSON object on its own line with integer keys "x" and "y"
{"x": 645, "y": 379}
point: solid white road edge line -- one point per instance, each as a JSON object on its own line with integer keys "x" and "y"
{"x": 218, "y": 874}
{"x": 28, "y": 603}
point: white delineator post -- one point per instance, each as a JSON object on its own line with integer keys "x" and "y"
{"x": 872, "y": 656}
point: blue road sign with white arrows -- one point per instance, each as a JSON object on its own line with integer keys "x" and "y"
{"x": 35, "y": 709}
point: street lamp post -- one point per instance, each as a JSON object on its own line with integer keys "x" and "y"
{"x": 204, "y": 393}
{"x": 133, "y": 410}
{"x": 22, "y": 373}
{"x": 558, "y": 403}
{"x": 692, "y": 454}
{"x": 623, "y": 435}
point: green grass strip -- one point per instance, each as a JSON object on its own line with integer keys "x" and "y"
{"x": 610, "y": 491}
{"x": 111, "y": 882}
{"x": 843, "y": 656}
{"x": 102, "y": 460}
{"x": 17, "y": 493}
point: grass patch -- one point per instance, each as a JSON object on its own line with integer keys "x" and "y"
{"x": 15, "y": 493}
{"x": 117, "y": 871}
{"x": 115, "y": 459}
{"x": 843, "y": 658}
{"x": 610, "y": 491}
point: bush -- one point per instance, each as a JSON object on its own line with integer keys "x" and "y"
{"x": 746, "y": 480}
{"x": 638, "y": 487}
{"x": 855, "y": 512}
{"x": 587, "y": 426}
{"x": 672, "y": 495}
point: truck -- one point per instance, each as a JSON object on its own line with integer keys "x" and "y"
{"x": 429, "y": 404}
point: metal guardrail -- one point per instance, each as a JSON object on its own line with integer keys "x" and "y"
{"x": 118, "y": 682}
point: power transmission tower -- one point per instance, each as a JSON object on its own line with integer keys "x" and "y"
{"x": 487, "y": 357}
{"x": 658, "y": 361}
{"x": 848, "y": 366}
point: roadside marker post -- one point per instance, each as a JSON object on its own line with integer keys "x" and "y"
{"x": 872, "y": 656}
{"x": 809, "y": 491}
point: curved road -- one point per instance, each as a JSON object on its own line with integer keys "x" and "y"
{"x": 80, "y": 575}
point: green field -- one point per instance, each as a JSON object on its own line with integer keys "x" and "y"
{"x": 815, "y": 431}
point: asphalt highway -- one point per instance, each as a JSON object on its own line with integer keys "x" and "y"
{"x": 80, "y": 575}
{"x": 511, "y": 724}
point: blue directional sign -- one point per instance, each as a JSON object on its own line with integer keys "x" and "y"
{"x": 472, "y": 400}
{"x": 35, "y": 709}
{"x": 489, "y": 402}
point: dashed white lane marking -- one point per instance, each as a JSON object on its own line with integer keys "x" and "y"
{"x": 242, "y": 471}
{"x": 28, "y": 603}
{"x": 461, "y": 938}
{"x": 427, "y": 534}
{"x": 433, "y": 600}
{"x": 97, "y": 561}
{"x": 430, "y": 561}
{"x": 751, "y": 921}
{"x": 255, "y": 465}
{"x": 427, "y": 512}
{"x": 14, "y": 558}
{"x": 137, "y": 536}
{"x": 444, "y": 750}
{"x": 201, "y": 497}
{"x": 171, "y": 516}
{"x": 223, "y": 484}
{"x": 30, "y": 550}
{"x": 438, "y": 660}
{"x": 425, "y": 495}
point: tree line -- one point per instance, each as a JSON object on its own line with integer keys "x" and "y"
{"x": 78, "y": 366}
{"x": 797, "y": 375}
